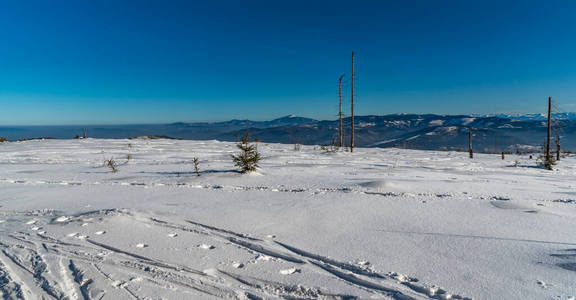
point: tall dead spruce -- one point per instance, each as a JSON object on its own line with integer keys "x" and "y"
{"x": 248, "y": 158}
{"x": 470, "y": 151}
{"x": 548, "y": 159}
{"x": 352, "y": 107}
{"x": 341, "y": 127}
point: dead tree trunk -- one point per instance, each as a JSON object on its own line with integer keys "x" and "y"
{"x": 470, "y": 151}
{"x": 352, "y": 108}
{"x": 548, "y": 156}
{"x": 340, "y": 113}
{"x": 558, "y": 147}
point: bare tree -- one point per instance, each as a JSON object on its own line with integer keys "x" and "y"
{"x": 548, "y": 160}
{"x": 470, "y": 151}
{"x": 548, "y": 156}
{"x": 558, "y": 148}
{"x": 341, "y": 131}
{"x": 196, "y": 163}
{"x": 352, "y": 107}
{"x": 112, "y": 164}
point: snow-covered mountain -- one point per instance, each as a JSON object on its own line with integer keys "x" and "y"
{"x": 492, "y": 133}
{"x": 533, "y": 117}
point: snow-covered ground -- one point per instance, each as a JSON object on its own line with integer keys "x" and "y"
{"x": 376, "y": 223}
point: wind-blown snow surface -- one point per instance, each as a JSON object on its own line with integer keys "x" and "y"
{"x": 376, "y": 223}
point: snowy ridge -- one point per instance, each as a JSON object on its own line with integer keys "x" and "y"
{"x": 376, "y": 223}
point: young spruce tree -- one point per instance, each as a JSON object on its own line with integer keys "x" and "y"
{"x": 248, "y": 158}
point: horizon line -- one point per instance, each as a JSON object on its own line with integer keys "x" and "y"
{"x": 265, "y": 120}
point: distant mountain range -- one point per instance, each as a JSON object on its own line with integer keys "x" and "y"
{"x": 492, "y": 133}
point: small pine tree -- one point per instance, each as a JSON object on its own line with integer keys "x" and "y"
{"x": 247, "y": 160}
{"x": 546, "y": 161}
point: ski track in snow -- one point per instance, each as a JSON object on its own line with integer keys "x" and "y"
{"x": 76, "y": 271}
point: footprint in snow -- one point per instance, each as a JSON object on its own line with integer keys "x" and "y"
{"x": 263, "y": 258}
{"x": 290, "y": 271}
{"x": 542, "y": 284}
{"x": 141, "y": 245}
{"x": 206, "y": 247}
{"x": 78, "y": 236}
{"x": 62, "y": 219}
{"x": 400, "y": 277}
{"x": 118, "y": 283}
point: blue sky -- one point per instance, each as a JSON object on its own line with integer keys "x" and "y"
{"x": 116, "y": 62}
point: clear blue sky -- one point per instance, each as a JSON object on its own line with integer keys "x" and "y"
{"x": 112, "y": 61}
